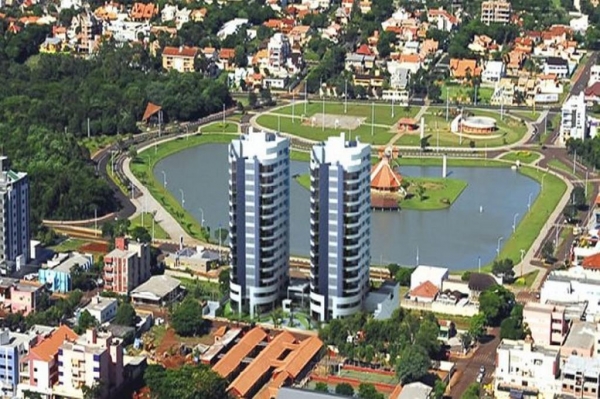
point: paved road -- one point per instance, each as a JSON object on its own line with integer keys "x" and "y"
{"x": 485, "y": 355}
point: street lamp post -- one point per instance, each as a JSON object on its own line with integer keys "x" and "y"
{"x": 498, "y": 246}
{"x": 164, "y": 179}
{"x": 529, "y": 202}
{"x": 182, "y": 198}
{"x": 201, "y": 217}
{"x": 514, "y": 226}
{"x": 346, "y": 96}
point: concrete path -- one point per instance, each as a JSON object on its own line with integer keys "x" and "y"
{"x": 417, "y": 118}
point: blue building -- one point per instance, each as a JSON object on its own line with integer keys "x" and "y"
{"x": 57, "y": 273}
{"x": 12, "y": 347}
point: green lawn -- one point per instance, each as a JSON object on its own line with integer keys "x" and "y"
{"x": 463, "y": 94}
{"x": 95, "y": 143}
{"x": 529, "y": 114}
{"x": 68, "y": 245}
{"x": 159, "y": 233}
{"x": 437, "y": 161}
{"x": 382, "y": 112}
{"x": 509, "y": 131}
{"x": 143, "y": 165}
{"x": 527, "y": 280}
{"x": 381, "y": 135}
{"x": 369, "y": 377}
{"x": 439, "y": 193}
{"x": 217, "y": 127}
{"x": 531, "y": 224}
{"x": 115, "y": 179}
{"x": 521, "y": 156}
{"x": 556, "y": 164}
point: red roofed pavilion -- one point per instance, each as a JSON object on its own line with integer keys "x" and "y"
{"x": 383, "y": 176}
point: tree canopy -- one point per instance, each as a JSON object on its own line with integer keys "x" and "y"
{"x": 187, "y": 317}
{"x": 496, "y": 304}
{"x": 413, "y": 365}
{"x": 125, "y": 315}
{"x": 187, "y": 382}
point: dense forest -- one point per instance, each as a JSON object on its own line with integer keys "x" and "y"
{"x": 46, "y": 100}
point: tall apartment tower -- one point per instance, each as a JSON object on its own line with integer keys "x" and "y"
{"x": 259, "y": 213}
{"x": 340, "y": 227}
{"x": 14, "y": 215}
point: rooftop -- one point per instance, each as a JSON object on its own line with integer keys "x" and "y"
{"x": 74, "y": 260}
{"x": 228, "y": 363}
{"x": 416, "y": 390}
{"x": 296, "y": 393}
{"x": 158, "y": 286}
{"x": 48, "y": 348}
{"x": 512, "y": 345}
{"x": 584, "y": 365}
{"x": 99, "y": 303}
{"x": 582, "y": 335}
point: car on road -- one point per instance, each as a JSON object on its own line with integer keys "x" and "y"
{"x": 480, "y": 378}
{"x": 482, "y": 369}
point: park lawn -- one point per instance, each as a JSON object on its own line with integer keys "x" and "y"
{"x": 143, "y": 165}
{"x": 159, "y": 232}
{"x": 532, "y": 223}
{"x": 527, "y": 280}
{"x": 217, "y": 127}
{"x": 68, "y": 245}
{"x": 369, "y": 377}
{"x": 439, "y": 193}
{"x": 465, "y": 94}
{"x": 381, "y": 111}
{"x": 381, "y": 135}
{"x": 529, "y": 114}
{"x": 115, "y": 179}
{"x": 556, "y": 164}
{"x": 460, "y": 162}
{"x": 436, "y": 127}
{"x": 522, "y": 156}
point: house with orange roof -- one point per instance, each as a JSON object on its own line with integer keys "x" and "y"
{"x": 591, "y": 262}
{"x": 428, "y": 47}
{"x": 524, "y": 44}
{"x": 299, "y": 35}
{"x": 284, "y": 360}
{"x": 161, "y": 29}
{"x": 14, "y": 28}
{"x": 549, "y": 84}
{"x": 199, "y": 14}
{"x": 483, "y": 44}
{"x": 412, "y": 62}
{"x": 424, "y": 293}
{"x": 461, "y": 69}
{"x": 332, "y": 32}
{"x": 210, "y": 53}
{"x": 143, "y": 12}
{"x": 230, "y": 365}
{"x": 181, "y": 59}
{"x": 442, "y": 19}
{"x": 39, "y": 370}
{"x": 514, "y": 61}
{"x": 226, "y": 59}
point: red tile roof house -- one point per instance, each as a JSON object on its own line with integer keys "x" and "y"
{"x": 592, "y": 94}
{"x": 426, "y": 292}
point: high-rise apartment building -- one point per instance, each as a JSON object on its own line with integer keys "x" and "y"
{"x": 495, "y": 11}
{"x": 340, "y": 227}
{"x": 127, "y": 266}
{"x": 259, "y": 207}
{"x": 573, "y": 122}
{"x": 14, "y": 214}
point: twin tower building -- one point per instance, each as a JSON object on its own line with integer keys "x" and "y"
{"x": 259, "y": 223}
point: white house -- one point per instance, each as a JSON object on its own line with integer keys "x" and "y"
{"x": 556, "y": 66}
{"x": 573, "y": 123}
{"x": 493, "y": 72}
{"x": 434, "y": 274}
{"x": 580, "y": 24}
{"x": 575, "y": 285}
{"x": 594, "y": 75}
{"x": 102, "y": 309}
{"x": 230, "y": 27}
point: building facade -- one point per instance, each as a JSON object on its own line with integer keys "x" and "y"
{"x": 495, "y": 11}
{"x": 13, "y": 346}
{"x": 524, "y": 367}
{"x": 340, "y": 227}
{"x": 56, "y": 274}
{"x": 573, "y": 122}
{"x": 546, "y": 322}
{"x": 14, "y": 215}
{"x": 259, "y": 213}
{"x": 181, "y": 59}
{"x": 126, "y": 266}
{"x": 580, "y": 377}
{"x": 279, "y": 50}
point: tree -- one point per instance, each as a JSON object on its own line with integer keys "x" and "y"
{"x": 578, "y": 197}
{"x": 496, "y": 303}
{"x": 548, "y": 250}
{"x": 570, "y": 213}
{"x": 439, "y": 389}
{"x": 427, "y": 337}
{"x": 368, "y": 391}
{"x": 477, "y": 326}
{"x": 466, "y": 340}
{"x": 420, "y": 192}
{"x": 413, "y": 364}
{"x": 221, "y": 235}
{"x": 512, "y": 328}
{"x": 93, "y": 392}
{"x": 186, "y": 382}
{"x": 403, "y": 276}
{"x": 241, "y": 59}
{"x": 252, "y": 99}
{"x": 187, "y": 318}
{"x": 504, "y": 268}
{"x": 265, "y": 96}
{"x": 141, "y": 234}
{"x": 472, "y": 144}
{"x": 385, "y": 43}
{"x": 27, "y": 394}
{"x": 424, "y": 143}
{"x": 321, "y": 387}
{"x": 132, "y": 152}
{"x": 434, "y": 93}
{"x": 224, "y": 282}
{"x": 125, "y": 315}
{"x": 472, "y": 391}
{"x": 393, "y": 268}
{"x": 344, "y": 389}
{"x": 85, "y": 321}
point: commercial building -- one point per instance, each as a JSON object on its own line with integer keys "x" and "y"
{"x": 546, "y": 322}
{"x": 126, "y": 266}
{"x": 522, "y": 366}
{"x": 24, "y": 297}
{"x": 495, "y": 11}
{"x": 581, "y": 340}
{"x": 14, "y": 215}
{"x": 573, "y": 123}
{"x": 340, "y": 227}
{"x": 87, "y": 360}
{"x": 197, "y": 259}
{"x": 181, "y": 59}
{"x": 572, "y": 287}
{"x": 259, "y": 213}
{"x": 580, "y": 377}
{"x": 101, "y": 308}
{"x": 56, "y": 274}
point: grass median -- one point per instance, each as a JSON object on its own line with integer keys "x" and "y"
{"x": 521, "y": 156}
